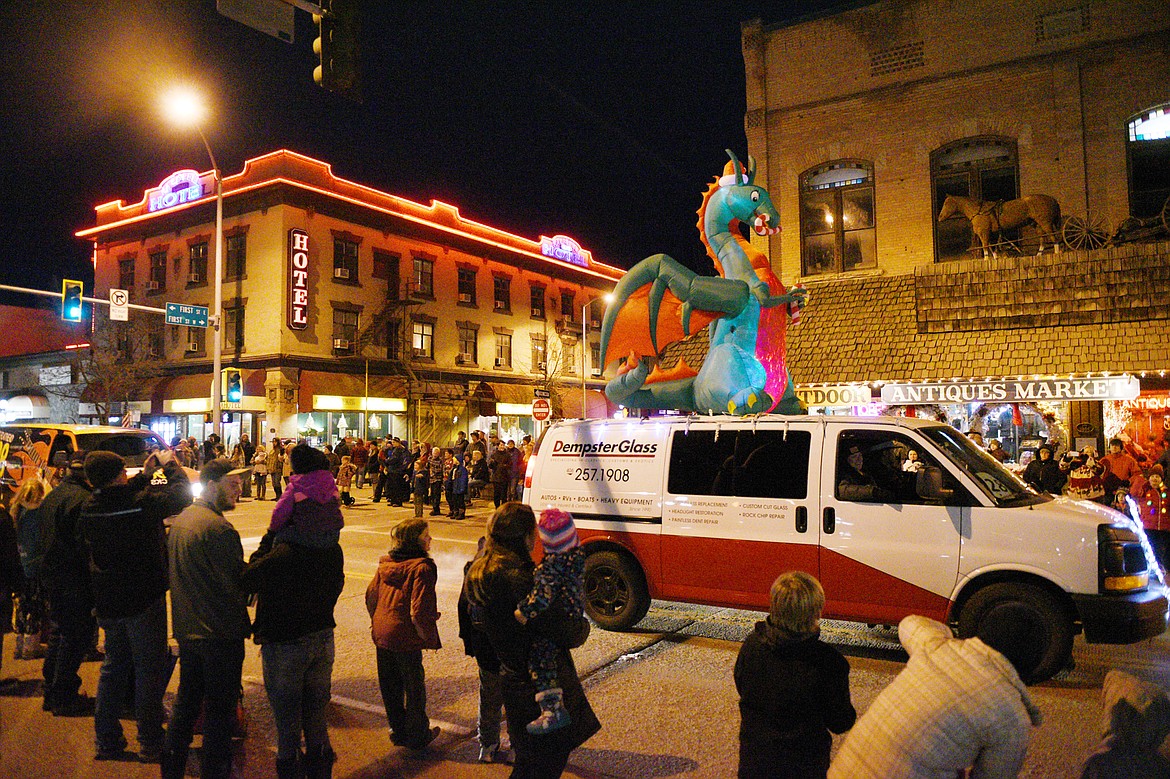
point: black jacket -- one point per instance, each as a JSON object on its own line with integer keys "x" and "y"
{"x": 1045, "y": 476}
{"x": 66, "y": 570}
{"x": 121, "y": 529}
{"x": 792, "y": 692}
{"x": 297, "y": 588}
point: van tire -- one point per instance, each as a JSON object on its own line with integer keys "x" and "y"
{"x": 1030, "y": 611}
{"x": 616, "y": 596}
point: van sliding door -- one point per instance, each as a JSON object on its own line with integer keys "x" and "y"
{"x": 737, "y": 511}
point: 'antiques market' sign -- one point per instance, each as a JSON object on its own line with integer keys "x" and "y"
{"x": 1008, "y": 391}
{"x": 298, "y": 279}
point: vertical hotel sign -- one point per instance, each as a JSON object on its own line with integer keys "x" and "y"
{"x": 298, "y": 279}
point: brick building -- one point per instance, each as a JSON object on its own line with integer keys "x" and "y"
{"x": 348, "y": 310}
{"x": 863, "y": 122}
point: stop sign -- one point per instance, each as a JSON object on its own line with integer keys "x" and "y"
{"x": 541, "y": 409}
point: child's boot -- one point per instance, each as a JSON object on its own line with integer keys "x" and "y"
{"x": 553, "y": 714}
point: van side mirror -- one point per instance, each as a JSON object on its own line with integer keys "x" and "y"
{"x": 929, "y": 485}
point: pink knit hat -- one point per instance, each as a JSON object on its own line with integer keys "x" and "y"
{"x": 557, "y": 531}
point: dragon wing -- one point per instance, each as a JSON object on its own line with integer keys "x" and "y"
{"x": 660, "y": 301}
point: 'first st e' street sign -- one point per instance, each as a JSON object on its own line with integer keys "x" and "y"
{"x": 190, "y": 316}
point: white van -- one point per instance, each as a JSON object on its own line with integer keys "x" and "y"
{"x": 710, "y": 509}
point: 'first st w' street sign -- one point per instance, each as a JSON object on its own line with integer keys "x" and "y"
{"x": 190, "y": 316}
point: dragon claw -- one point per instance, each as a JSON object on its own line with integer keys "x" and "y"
{"x": 731, "y": 407}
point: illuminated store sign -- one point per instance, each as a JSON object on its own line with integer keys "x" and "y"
{"x": 298, "y": 279}
{"x": 182, "y": 186}
{"x": 1006, "y": 390}
{"x": 562, "y": 247}
{"x": 844, "y": 395}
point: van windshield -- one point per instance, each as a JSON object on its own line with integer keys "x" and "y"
{"x": 1000, "y": 484}
{"x": 133, "y": 446}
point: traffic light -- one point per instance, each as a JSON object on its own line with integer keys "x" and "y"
{"x": 71, "y": 294}
{"x": 233, "y": 386}
{"x": 336, "y": 47}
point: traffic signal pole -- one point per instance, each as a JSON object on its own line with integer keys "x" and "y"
{"x": 95, "y": 301}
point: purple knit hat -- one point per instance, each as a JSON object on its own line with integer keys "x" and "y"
{"x": 557, "y": 531}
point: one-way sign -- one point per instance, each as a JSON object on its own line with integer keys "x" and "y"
{"x": 190, "y": 316}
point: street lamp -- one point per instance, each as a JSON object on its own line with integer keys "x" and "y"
{"x": 607, "y": 298}
{"x": 184, "y": 107}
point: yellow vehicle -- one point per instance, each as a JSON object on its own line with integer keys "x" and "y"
{"x": 29, "y": 449}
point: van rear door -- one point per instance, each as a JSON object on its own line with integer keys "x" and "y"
{"x": 739, "y": 508}
{"x": 884, "y": 551}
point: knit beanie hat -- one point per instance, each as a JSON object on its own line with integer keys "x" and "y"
{"x": 557, "y": 531}
{"x": 102, "y": 467}
{"x": 305, "y": 459}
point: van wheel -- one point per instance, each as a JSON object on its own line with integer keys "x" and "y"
{"x": 1033, "y": 615}
{"x": 616, "y": 595}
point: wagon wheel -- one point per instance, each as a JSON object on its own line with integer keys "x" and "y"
{"x": 1088, "y": 232}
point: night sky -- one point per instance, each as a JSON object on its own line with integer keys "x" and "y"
{"x": 604, "y": 121}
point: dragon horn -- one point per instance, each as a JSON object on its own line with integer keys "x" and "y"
{"x": 737, "y": 175}
{"x": 751, "y": 174}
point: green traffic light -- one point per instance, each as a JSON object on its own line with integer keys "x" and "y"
{"x": 71, "y": 303}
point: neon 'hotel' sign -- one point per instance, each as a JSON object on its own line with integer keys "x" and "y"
{"x": 182, "y": 186}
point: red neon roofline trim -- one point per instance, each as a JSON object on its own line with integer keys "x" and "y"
{"x": 434, "y": 207}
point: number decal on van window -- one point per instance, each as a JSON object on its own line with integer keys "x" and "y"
{"x": 601, "y": 474}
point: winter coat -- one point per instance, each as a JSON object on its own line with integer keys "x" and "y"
{"x": 260, "y": 461}
{"x": 435, "y": 468}
{"x": 792, "y": 692}
{"x": 121, "y": 526}
{"x": 403, "y": 607}
{"x": 313, "y": 498}
{"x": 1045, "y": 476}
{"x": 297, "y": 587}
{"x": 956, "y": 704}
{"x": 11, "y": 574}
{"x": 66, "y": 570}
{"x": 496, "y": 582}
{"x": 32, "y": 539}
{"x": 360, "y": 455}
{"x": 459, "y": 477}
{"x": 275, "y": 460}
{"x": 501, "y": 467}
{"x": 206, "y": 559}
{"x": 345, "y": 476}
{"x": 1154, "y": 507}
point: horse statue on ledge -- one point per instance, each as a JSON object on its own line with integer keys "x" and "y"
{"x": 989, "y": 217}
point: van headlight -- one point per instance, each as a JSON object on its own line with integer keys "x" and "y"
{"x": 1121, "y": 559}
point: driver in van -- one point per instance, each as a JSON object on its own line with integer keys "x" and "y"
{"x": 854, "y": 479}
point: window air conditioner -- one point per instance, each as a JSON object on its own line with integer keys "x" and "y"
{"x": 341, "y": 273}
{"x": 465, "y": 357}
{"x": 500, "y": 305}
{"x": 153, "y": 286}
{"x": 420, "y": 352}
{"x": 537, "y": 312}
{"x": 595, "y": 373}
{"x": 341, "y": 344}
{"x": 500, "y": 363}
{"x": 595, "y": 323}
{"x": 194, "y": 278}
{"x": 193, "y": 346}
{"x": 464, "y": 297}
{"x": 542, "y": 366}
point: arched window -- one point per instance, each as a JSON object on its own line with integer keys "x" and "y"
{"x": 837, "y": 218}
{"x": 982, "y": 168}
{"x": 1147, "y": 152}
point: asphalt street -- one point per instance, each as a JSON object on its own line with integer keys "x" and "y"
{"x": 664, "y": 692}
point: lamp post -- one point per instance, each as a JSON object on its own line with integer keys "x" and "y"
{"x": 184, "y": 107}
{"x": 607, "y": 298}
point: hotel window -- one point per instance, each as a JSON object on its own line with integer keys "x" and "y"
{"x": 158, "y": 272}
{"x": 196, "y": 340}
{"x": 197, "y": 263}
{"x": 467, "y": 286}
{"x": 502, "y": 294}
{"x": 503, "y": 350}
{"x": 468, "y": 343}
{"x": 536, "y": 292}
{"x": 233, "y": 328}
{"x": 1147, "y": 151}
{"x": 567, "y": 307}
{"x": 424, "y": 277}
{"x": 237, "y": 255}
{"x": 569, "y": 355}
{"x": 345, "y": 326}
{"x": 539, "y": 352}
{"x": 983, "y": 168}
{"x": 386, "y": 267}
{"x": 837, "y": 218}
{"x": 423, "y": 340}
{"x": 126, "y": 273}
{"x": 345, "y": 261}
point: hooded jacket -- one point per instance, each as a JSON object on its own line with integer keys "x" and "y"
{"x": 313, "y": 498}
{"x": 401, "y": 600}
